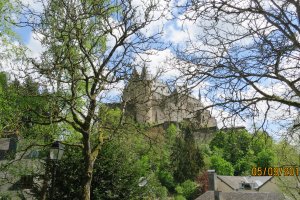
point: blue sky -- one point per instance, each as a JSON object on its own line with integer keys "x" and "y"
{"x": 176, "y": 31}
{"x": 24, "y": 33}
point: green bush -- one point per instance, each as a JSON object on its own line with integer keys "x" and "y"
{"x": 179, "y": 189}
{"x": 180, "y": 197}
{"x": 161, "y": 192}
{"x": 166, "y": 178}
{"x": 187, "y": 189}
{"x": 265, "y": 158}
{"x": 221, "y": 166}
{"x": 242, "y": 167}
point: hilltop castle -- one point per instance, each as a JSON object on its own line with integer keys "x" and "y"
{"x": 152, "y": 101}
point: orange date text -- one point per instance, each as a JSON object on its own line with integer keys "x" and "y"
{"x": 275, "y": 171}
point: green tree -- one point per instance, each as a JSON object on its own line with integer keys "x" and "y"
{"x": 187, "y": 190}
{"x": 221, "y": 166}
{"x": 9, "y": 114}
{"x": 12, "y": 50}
{"x": 19, "y": 104}
{"x": 235, "y": 144}
{"x": 7, "y": 9}
{"x": 90, "y": 48}
{"x": 218, "y": 140}
{"x": 265, "y": 158}
{"x": 244, "y": 165}
{"x": 261, "y": 141}
{"x": 287, "y": 154}
{"x": 235, "y": 147}
{"x": 186, "y": 158}
{"x": 243, "y": 149}
{"x": 122, "y": 162}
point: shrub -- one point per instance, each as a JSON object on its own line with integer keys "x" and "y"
{"x": 167, "y": 180}
{"x": 180, "y": 197}
{"x": 221, "y": 166}
{"x": 187, "y": 189}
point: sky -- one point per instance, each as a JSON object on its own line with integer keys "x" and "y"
{"x": 176, "y": 31}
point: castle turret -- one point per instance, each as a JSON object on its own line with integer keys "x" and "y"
{"x": 144, "y": 74}
{"x": 199, "y": 95}
{"x": 135, "y": 75}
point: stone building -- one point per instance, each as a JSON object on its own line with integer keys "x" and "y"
{"x": 152, "y": 101}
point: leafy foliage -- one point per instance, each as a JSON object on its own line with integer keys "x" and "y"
{"x": 117, "y": 170}
{"x": 90, "y": 48}
{"x": 221, "y": 166}
{"x": 19, "y": 104}
{"x": 241, "y": 150}
{"x": 265, "y": 158}
{"x": 188, "y": 189}
{"x": 187, "y": 160}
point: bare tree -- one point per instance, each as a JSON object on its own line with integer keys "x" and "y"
{"x": 90, "y": 47}
{"x": 245, "y": 56}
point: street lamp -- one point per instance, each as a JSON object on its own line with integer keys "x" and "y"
{"x": 142, "y": 183}
{"x": 56, "y": 152}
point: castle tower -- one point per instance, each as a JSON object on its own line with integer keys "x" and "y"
{"x": 135, "y": 74}
{"x": 137, "y": 95}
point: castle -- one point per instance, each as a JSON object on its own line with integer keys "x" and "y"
{"x": 152, "y": 101}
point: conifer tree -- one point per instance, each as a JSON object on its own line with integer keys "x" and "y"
{"x": 187, "y": 159}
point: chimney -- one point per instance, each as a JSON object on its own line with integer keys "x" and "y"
{"x": 212, "y": 180}
{"x": 217, "y": 195}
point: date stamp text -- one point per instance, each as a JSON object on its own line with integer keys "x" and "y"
{"x": 275, "y": 171}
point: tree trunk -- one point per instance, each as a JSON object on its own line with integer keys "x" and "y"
{"x": 88, "y": 168}
{"x": 87, "y": 181}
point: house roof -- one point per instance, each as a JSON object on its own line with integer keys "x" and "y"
{"x": 209, "y": 195}
{"x": 234, "y": 181}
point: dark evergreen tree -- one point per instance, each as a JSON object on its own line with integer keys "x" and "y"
{"x": 187, "y": 160}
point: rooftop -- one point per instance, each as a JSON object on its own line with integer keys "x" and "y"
{"x": 235, "y": 181}
{"x": 210, "y": 195}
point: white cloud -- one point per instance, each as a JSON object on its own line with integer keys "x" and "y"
{"x": 34, "y": 45}
{"x": 176, "y": 35}
{"x": 159, "y": 15}
{"x": 158, "y": 63}
{"x": 35, "y": 5}
{"x": 113, "y": 92}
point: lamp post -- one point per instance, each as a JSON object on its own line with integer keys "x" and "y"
{"x": 56, "y": 152}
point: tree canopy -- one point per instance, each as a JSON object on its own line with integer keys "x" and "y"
{"x": 90, "y": 48}
{"x": 237, "y": 151}
{"x": 245, "y": 57}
